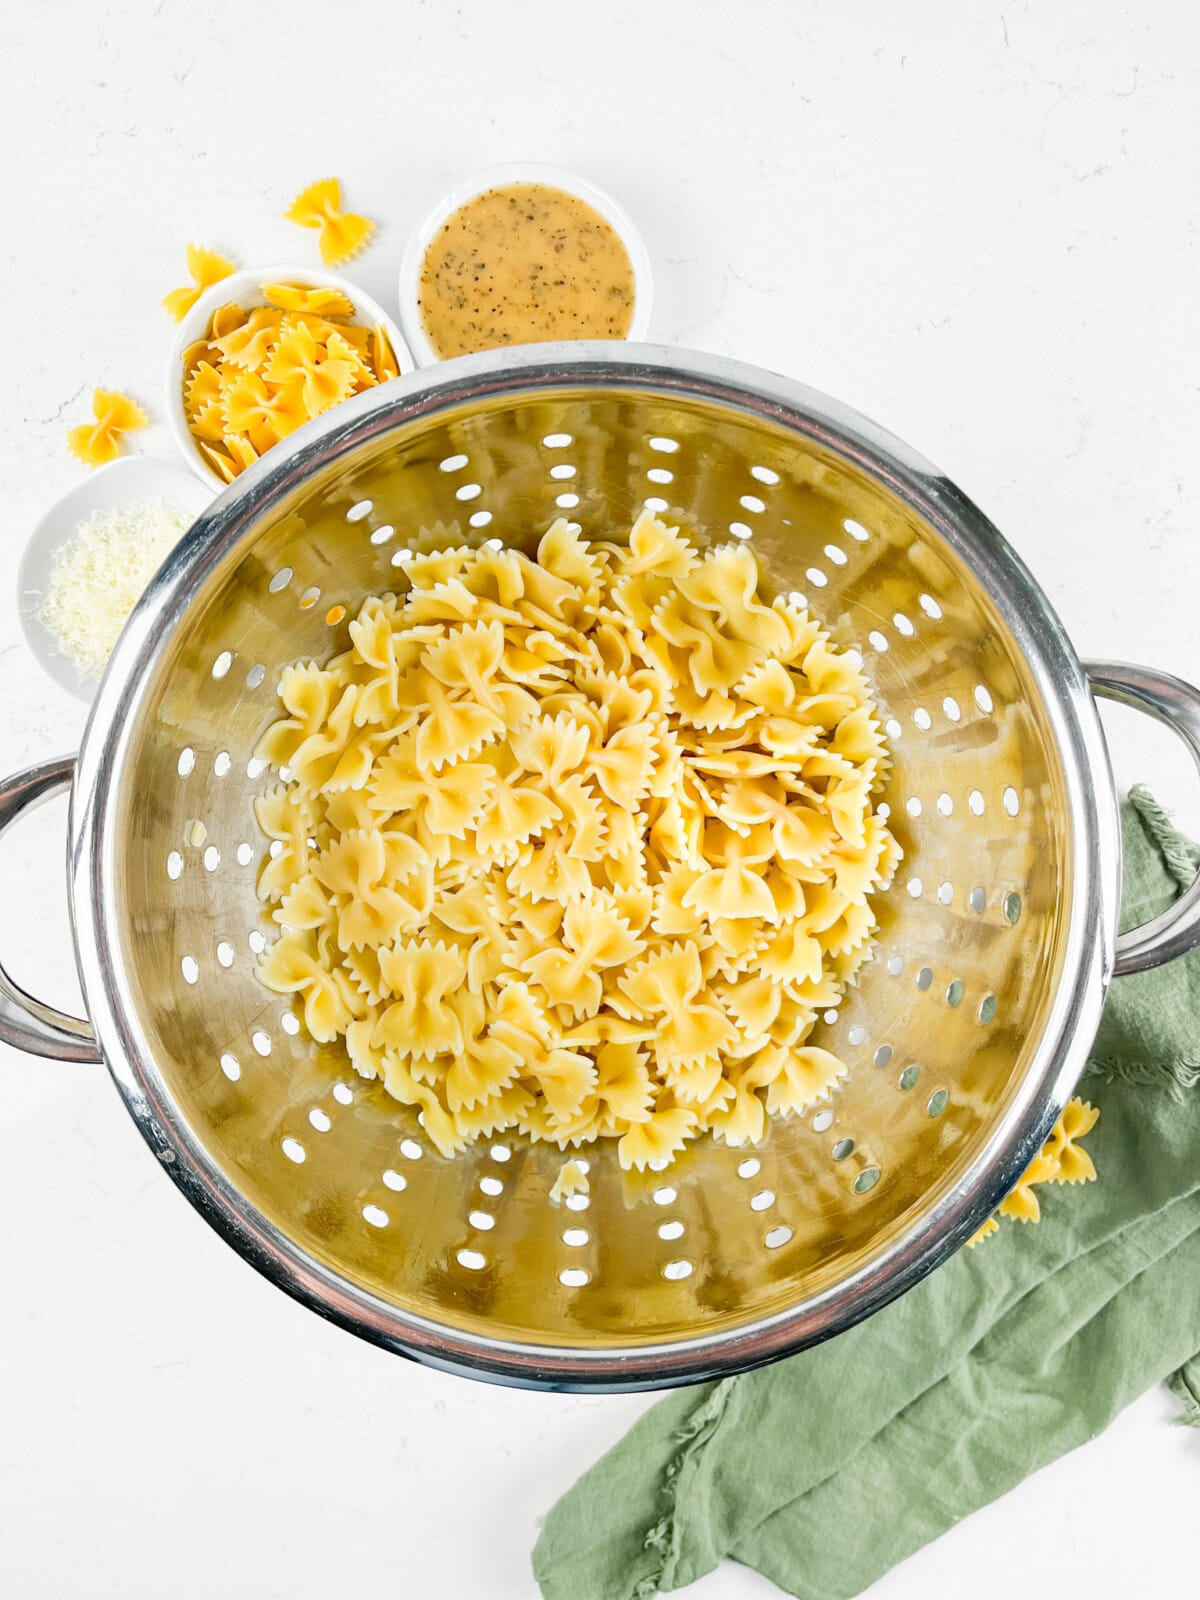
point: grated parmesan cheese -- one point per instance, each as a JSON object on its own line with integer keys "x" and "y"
{"x": 98, "y": 576}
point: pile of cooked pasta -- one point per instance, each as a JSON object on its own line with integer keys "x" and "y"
{"x": 579, "y": 845}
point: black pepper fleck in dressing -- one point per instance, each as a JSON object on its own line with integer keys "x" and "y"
{"x": 522, "y": 264}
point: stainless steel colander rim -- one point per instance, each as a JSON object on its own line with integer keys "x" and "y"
{"x": 960, "y": 1206}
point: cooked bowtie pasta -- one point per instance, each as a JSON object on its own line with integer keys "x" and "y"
{"x": 579, "y": 845}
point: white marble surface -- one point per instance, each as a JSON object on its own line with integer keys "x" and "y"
{"x": 978, "y": 224}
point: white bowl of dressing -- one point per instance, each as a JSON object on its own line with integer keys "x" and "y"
{"x": 505, "y": 176}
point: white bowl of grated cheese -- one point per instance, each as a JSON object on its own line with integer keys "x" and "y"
{"x": 104, "y": 539}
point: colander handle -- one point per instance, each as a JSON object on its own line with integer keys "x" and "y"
{"x": 1177, "y": 930}
{"x": 27, "y": 1023}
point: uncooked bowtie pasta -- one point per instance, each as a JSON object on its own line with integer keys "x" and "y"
{"x": 578, "y": 845}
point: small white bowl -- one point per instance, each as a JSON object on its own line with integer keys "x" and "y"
{"x": 503, "y": 177}
{"x": 245, "y": 288}
{"x": 122, "y": 482}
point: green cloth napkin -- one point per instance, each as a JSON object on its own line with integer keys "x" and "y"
{"x": 825, "y": 1470}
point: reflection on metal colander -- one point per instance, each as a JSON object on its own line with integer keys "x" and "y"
{"x": 993, "y": 942}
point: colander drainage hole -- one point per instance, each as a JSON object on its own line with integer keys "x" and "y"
{"x": 359, "y": 510}
{"x": 319, "y": 1120}
{"x": 857, "y": 1034}
{"x": 558, "y": 441}
{"x": 492, "y": 1186}
{"x": 748, "y": 502}
{"x": 261, "y": 1042}
{"x": 376, "y": 1216}
{"x": 883, "y": 1055}
{"x": 483, "y": 1220}
{"x": 309, "y": 598}
{"x": 666, "y": 447}
{"x": 676, "y": 1271}
{"x": 1012, "y": 907}
{"x": 749, "y": 1168}
{"x": 908, "y": 1078}
{"x": 656, "y": 504}
{"x": 473, "y": 1260}
{"x": 383, "y": 534}
{"x": 343, "y": 1093}
{"x": 290, "y": 1023}
{"x": 764, "y": 474}
{"x": 983, "y": 699}
{"x": 938, "y": 1101}
{"x": 954, "y": 993}
{"x": 741, "y": 530}
{"x": 280, "y": 580}
{"x": 190, "y": 968}
{"x": 895, "y": 966}
{"x": 410, "y": 1149}
{"x": 212, "y": 858}
{"x": 822, "y": 1121}
{"x": 257, "y": 940}
{"x": 231, "y": 1067}
{"x": 187, "y": 760}
{"x": 838, "y": 557}
{"x": 867, "y": 1179}
{"x": 222, "y": 664}
{"x": 396, "y": 1181}
{"x": 930, "y": 607}
{"x": 951, "y": 708}
{"x": 670, "y": 1230}
{"x": 469, "y": 491}
{"x": 945, "y": 893}
{"x": 924, "y": 978}
{"x": 500, "y": 1152}
{"x": 903, "y": 625}
{"x": 567, "y": 501}
{"x": 922, "y": 719}
{"x": 776, "y": 1237}
{"x": 987, "y": 1009}
{"x": 574, "y": 1277}
{"x": 842, "y": 1149}
{"x": 222, "y": 762}
{"x": 453, "y": 463}
{"x": 877, "y": 642}
{"x": 762, "y": 1200}
{"x": 665, "y": 1196}
{"x": 1011, "y": 801}
{"x": 856, "y": 530}
{"x": 480, "y": 519}
{"x": 174, "y": 865}
{"x": 575, "y": 1237}
{"x": 225, "y": 953}
{"x": 294, "y": 1151}
{"x": 975, "y": 803}
{"x": 577, "y": 1202}
{"x": 977, "y": 898}
{"x": 913, "y": 806}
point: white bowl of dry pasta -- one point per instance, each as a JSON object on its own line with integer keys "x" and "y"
{"x": 266, "y": 350}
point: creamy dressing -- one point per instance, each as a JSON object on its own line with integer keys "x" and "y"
{"x": 520, "y": 264}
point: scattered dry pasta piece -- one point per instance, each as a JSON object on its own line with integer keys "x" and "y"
{"x": 96, "y": 443}
{"x": 1061, "y": 1160}
{"x": 257, "y": 375}
{"x": 206, "y": 268}
{"x": 343, "y": 233}
{"x": 579, "y": 845}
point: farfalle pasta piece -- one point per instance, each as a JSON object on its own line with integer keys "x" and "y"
{"x": 582, "y": 844}
{"x": 205, "y": 267}
{"x": 96, "y": 443}
{"x": 343, "y": 233}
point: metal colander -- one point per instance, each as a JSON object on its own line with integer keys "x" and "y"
{"x": 964, "y": 1034}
